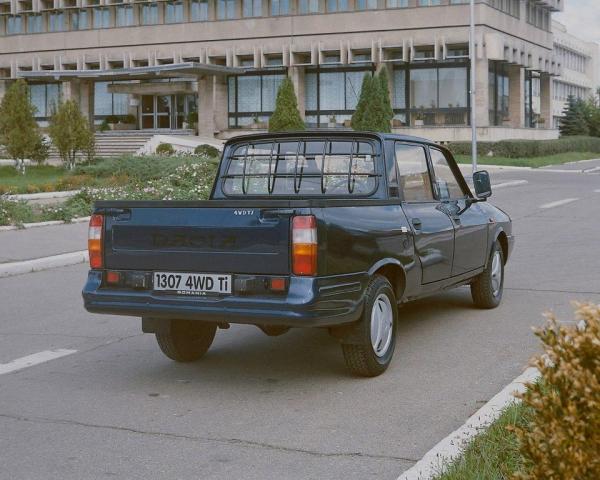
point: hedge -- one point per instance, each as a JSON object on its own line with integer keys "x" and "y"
{"x": 529, "y": 148}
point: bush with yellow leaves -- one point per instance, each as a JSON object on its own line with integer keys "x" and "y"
{"x": 562, "y": 440}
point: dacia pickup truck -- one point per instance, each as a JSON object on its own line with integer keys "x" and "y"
{"x": 321, "y": 229}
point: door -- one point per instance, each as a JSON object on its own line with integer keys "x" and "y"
{"x": 470, "y": 223}
{"x": 432, "y": 228}
{"x": 166, "y": 111}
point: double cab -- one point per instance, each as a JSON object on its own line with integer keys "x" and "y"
{"x": 322, "y": 229}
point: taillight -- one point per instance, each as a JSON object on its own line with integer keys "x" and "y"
{"x": 95, "y": 241}
{"x": 304, "y": 245}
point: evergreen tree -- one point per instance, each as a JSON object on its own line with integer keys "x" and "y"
{"x": 70, "y": 132}
{"x": 574, "y": 121}
{"x": 19, "y": 132}
{"x": 387, "y": 104}
{"x": 358, "y": 118}
{"x": 286, "y": 116}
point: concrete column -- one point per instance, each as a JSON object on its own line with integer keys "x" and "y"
{"x": 482, "y": 93}
{"x": 206, "y": 121}
{"x": 546, "y": 85}
{"x": 3, "y": 88}
{"x": 86, "y": 100}
{"x": 212, "y": 105}
{"x": 516, "y": 88}
{"x": 296, "y": 74}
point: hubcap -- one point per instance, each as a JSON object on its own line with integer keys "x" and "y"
{"x": 381, "y": 325}
{"x": 496, "y": 273}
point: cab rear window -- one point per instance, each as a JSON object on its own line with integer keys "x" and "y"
{"x": 301, "y": 167}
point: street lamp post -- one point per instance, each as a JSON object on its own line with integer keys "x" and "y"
{"x": 472, "y": 87}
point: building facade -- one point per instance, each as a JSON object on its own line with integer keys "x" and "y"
{"x": 580, "y": 70}
{"x": 159, "y": 61}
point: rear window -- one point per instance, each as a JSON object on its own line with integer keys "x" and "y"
{"x": 302, "y": 167}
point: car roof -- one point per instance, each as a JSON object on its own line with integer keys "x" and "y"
{"x": 321, "y": 133}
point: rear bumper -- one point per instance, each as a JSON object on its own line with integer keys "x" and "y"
{"x": 309, "y": 302}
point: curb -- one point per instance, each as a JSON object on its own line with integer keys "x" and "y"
{"x": 436, "y": 460}
{"x": 38, "y": 264}
{"x": 26, "y": 226}
{"x": 43, "y": 195}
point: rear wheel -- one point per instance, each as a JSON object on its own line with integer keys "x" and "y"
{"x": 374, "y": 338}
{"x": 487, "y": 288}
{"x": 186, "y": 341}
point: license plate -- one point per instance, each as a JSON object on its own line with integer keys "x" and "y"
{"x": 192, "y": 283}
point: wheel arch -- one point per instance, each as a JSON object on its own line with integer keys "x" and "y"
{"x": 394, "y": 271}
{"x": 500, "y": 237}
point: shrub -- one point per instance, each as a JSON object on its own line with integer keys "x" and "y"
{"x": 286, "y": 116}
{"x": 104, "y": 126}
{"x": 562, "y": 439}
{"x": 192, "y": 118}
{"x": 113, "y": 119}
{"x": 128, "y": 119}
{"x": 165, "y": 149}
{"x": 574, "y": 119}
{"x": 207, "y": 151}
{"x": 529, "y": 148}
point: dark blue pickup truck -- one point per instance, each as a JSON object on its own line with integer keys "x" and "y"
{"x": 309, "y": 229}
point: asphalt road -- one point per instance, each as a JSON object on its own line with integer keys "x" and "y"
{"x": 282, "y": 408}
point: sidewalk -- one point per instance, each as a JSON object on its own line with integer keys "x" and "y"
{"x": 19, "y": 245}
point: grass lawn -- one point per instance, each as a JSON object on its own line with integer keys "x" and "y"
{"x": 36, "y": 176}
{"x": 534, "y": 162}
{"x": 493, "y": 454}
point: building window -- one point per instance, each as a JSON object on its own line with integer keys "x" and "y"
{"x": 199, "y": 10}
{"x": 225, "y": 9}
{"x": 149, "y": 14}
{"x": 106, "y": 103}
{"x": 331, "y": 94}
{"x": 538, "y": 16}
{"x": 35, "y": 23}
{"x": 280, "y": 7}
{"x": 251, "y": 98}
{"x": 429, "y": 3}
{"x": 498, "y": 93}
{"x": 79, "y": 20}
{"x": 396, "y": 3}
{"x": 45, "y": 98}
{"x": 308, "y": 6}
{"x": 366, "y": 4}
{"x": 174, "y": 12}
{"x": 14, "y": 24}
{"x": 56, "y": 22}
{"x": 102, "y": 17}
{"x": 124, "y": 15}
{"x": 337, "y": 5}
{"x": 251, "y": 8}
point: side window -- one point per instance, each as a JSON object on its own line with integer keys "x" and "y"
{"x": 415, "y": 182}
{"x": 445, "y": 182}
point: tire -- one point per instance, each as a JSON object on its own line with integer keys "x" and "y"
{"x": 371, "y": 351}
{"x": 186, "y": 341}
{"x": 487, "y": 288}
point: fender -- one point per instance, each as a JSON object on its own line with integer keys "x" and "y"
{"x": 495, "y": 231}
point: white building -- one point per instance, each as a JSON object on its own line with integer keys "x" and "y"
{"x": 580, "y": 61}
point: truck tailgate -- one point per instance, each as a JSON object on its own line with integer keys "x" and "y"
{"x": 198, "y": 239}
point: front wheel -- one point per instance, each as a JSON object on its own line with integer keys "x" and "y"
{"x": 186, "y": 341}
{"x": 374, "y": 339}
{"x": 487, "y": 288}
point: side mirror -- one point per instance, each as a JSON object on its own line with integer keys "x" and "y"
{"x": 481, "y": 182}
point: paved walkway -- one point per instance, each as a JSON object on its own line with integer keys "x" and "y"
{"x": 16, "y": 245}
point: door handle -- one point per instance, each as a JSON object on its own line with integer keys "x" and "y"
{"x": 417, "y": 223}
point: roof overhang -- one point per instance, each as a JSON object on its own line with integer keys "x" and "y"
{"x": 172, "y": 70}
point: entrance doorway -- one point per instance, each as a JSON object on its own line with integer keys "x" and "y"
{"x": 167, "y": 112}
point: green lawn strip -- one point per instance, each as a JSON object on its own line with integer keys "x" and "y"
{"x": 15, "y": 182}
{"x": 534, "y": 162}
{"x": 494, "y": 453}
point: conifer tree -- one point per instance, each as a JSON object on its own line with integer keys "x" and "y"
{"x": 286, "y": 116}
{"x": 387, "y": 105}
{"x": 364, "y": 100}
{"x": 574, "y": 121}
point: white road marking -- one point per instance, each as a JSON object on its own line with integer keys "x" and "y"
{"x": 512, "y": 183}
{"x": 558, "y": 203}
{"x": 597, "y": 191}
{"x": 34, "y": 359}
{"x": 450, "y": 448}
